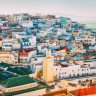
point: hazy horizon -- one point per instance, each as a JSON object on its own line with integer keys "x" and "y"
{"x": 78, "y": 10}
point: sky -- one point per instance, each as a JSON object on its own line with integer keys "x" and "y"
{"x": 77, "y": 9}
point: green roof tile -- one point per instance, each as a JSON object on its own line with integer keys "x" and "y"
{"x": 17, "y": 81}
{"x": 20, "y": 70}
{"x": 2, "y": 64}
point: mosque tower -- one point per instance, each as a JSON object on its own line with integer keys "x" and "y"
{"x": 48, "y": 67}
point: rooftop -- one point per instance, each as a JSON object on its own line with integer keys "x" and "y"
{"x": 2, "y": 64}
{"x": 4, "y": 75}
{"x": 17, "y": 81}
{"x": 20, "y": 70}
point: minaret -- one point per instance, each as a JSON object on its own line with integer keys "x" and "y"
{"x": 48, "y": 67}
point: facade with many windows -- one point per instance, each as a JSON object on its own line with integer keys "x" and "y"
{"x": 73, "y": 70}
{"x": 9, "y": 56}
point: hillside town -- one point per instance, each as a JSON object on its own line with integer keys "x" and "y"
{"x": 46, "y": 55}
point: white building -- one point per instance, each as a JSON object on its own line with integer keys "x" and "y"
{"x": 25, "y": 56}
{"x": 92, "y": 47}
{"x": 20, "y": 17}
{"x": 73, "y": 70}
{"x": 26, "y": 23}
{"x": 90, "y": 40}
{"x": 28, "y": 42}
{"x": 10, "y": 43}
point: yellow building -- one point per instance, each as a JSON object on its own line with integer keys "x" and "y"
{"x": 48, "y": 67}
{"x": 8, "y": 56}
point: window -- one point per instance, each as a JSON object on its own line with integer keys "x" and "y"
{"x": 74, "y": 75}
{"x": 8, "y": 90}
{"x": 19, "y": 88}
{"x": 24, "y": 87}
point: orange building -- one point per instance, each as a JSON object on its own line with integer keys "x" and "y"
{"x": 57, "y": 93}
{"x": 86, "y": 91}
